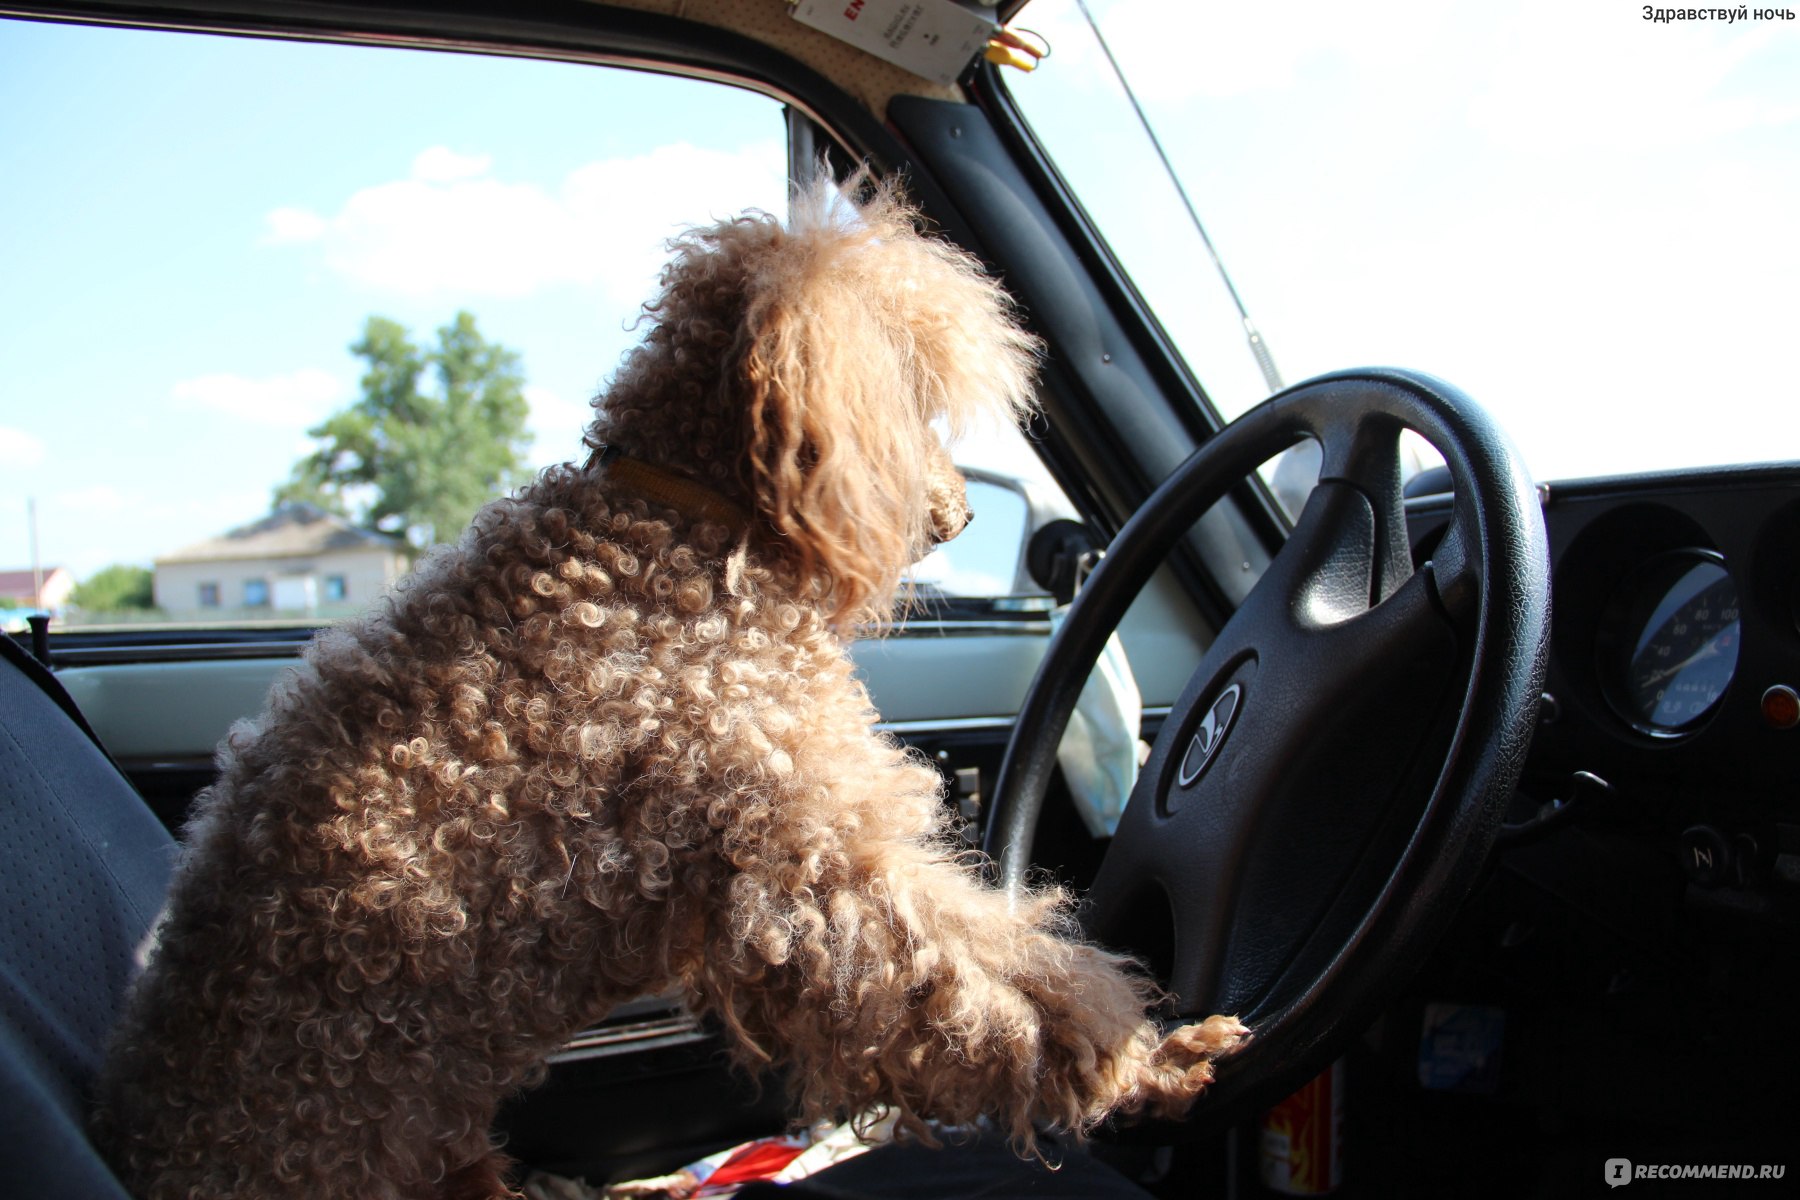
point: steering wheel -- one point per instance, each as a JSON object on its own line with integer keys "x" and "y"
{"x": 1327, "y": 788}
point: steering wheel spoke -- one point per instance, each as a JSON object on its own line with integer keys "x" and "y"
{"x": 1329, "y": 782}
{"x": 1361, "y": 450}
{"x": 1456, "y": 574}
{"x": 1277, "y": 773}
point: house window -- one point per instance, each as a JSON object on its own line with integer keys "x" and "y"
{"x": 335, "y": 589}
{"x": 256, "y": 593}
{"x": 209, "y": 595}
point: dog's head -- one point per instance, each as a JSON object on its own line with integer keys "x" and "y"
{"x": 814, "y": 370}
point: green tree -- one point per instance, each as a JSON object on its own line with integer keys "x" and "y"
{"x": 115, "y": 589}
{"x": 408, "y": 457}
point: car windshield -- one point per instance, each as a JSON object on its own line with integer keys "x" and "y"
{"x": 1583, "y": 215}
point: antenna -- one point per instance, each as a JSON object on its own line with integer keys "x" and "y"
{"x": 37, "y": 568}
{"x": 1259, "y": 349}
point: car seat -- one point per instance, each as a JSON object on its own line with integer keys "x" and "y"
{"x": 84, "y": 866}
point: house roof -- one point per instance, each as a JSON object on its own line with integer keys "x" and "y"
{"x": 22, "y": 583}
{"x": 291, "y": 531}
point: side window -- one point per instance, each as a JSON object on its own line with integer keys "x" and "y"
{"x": 295, "y": 311}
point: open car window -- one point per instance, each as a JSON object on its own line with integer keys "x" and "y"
{"x": 288, "y": 314}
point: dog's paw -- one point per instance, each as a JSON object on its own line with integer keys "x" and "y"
{"x": 1210, "y": 1040}
{"x": 1182, "y": 1065}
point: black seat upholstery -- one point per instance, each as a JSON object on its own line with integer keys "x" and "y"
{"x": 83, "y": 869}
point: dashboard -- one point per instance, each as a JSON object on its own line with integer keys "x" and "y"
{"x": 1670, "y": 706}
{"x": 1644, "y": 894}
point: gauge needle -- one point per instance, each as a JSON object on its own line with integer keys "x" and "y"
{"x": 1707, "y": 651}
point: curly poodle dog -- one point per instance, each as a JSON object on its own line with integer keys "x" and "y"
{"x": 610, "y": 743}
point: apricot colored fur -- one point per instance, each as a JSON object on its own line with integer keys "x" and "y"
{"x": 598, "y": 749}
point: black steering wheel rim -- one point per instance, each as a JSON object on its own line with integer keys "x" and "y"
{"x": 1487, "y": 587}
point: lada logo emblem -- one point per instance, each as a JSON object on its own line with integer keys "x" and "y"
{"x": 1213, "y": 728}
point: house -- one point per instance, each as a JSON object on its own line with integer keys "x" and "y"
{"x": 299, "y": 561}
{"x": 43, "y": 590}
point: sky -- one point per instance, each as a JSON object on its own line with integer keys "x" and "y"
{"x": 1589, "y": 221}
{"x": 197, "y": 228}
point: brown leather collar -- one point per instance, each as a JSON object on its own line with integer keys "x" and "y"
{"x": 659, "y": 485}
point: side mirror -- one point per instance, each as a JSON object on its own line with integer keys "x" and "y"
{"x": 1059, "y": 556}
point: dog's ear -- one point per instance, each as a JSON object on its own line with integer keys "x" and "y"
{"x": 861, "y": 340}
{"x": 830, "y": 472}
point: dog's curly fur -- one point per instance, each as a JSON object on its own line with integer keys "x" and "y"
{"x": 600, "y": 748}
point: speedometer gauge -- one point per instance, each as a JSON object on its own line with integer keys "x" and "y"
{"x": 1669, "y": 641}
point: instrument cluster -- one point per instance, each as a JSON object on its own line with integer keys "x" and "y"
{"x": 1666, "y": 647}
{"x": 1675, "y": 637}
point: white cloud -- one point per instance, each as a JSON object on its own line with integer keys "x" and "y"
{"x": 454, "y": 226}
{"x": 440, "y": 164}
{"x": 293, "y": 225}
{"x": 98, "y": 499}
{"x": 19, "y": 449}
{"x": 556, "y": 426}
{"x": 292, "y": 401}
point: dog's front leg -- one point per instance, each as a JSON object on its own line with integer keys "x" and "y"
{"x": 870, "y": 958}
